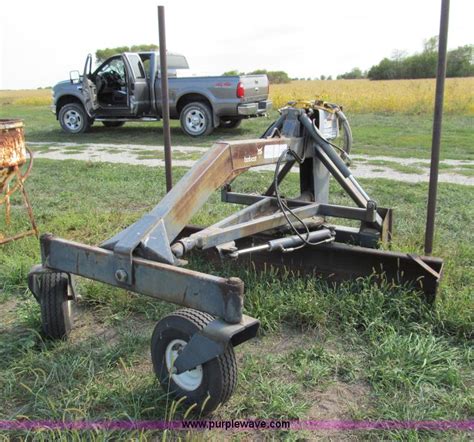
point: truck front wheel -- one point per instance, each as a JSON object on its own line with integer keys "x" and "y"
{"x": 74, "y": 119}
{"x": 196, "y": 119}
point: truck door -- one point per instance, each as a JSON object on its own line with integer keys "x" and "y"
{"x": 138, "y": 87}
{"x": 89, "y": 90}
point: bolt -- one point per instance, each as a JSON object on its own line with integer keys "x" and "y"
{"x": 121, "y": 275}
{"x": 371, "y": 205}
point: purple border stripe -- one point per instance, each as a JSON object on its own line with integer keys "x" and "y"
{"x": 383, "y": 425}
{"x": 235, "y": 425}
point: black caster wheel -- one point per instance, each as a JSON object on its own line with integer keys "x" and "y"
{"x": 207, "y": 385}
{"x": 56, "y": 305}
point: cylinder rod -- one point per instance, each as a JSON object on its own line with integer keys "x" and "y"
{"x": 165, "y": 108}
{"x": 437, "y": 121}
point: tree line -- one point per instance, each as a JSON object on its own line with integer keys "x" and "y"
{"x": 460, "y": 63}
{"x": 102, "y": 54}
{"x": 274, "y": 77}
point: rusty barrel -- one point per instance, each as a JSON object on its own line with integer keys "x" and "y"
{"x": 12, "y": 145}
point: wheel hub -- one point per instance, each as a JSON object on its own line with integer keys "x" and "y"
{"x": 72, "y": 120}
{"x": 195, "y": 121}
{"x": 189, "y": 380}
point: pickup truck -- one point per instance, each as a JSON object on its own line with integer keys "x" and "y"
{"x": 127, "y": 87}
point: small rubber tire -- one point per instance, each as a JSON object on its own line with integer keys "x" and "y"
{"x": 203, "y": 115}
{"x": 219, "y": 375}
{"x": 56, "y": 315}
{"x": 232, "y": 123}
{"x": 74, "y": 119}
{"x": 113, "y": 123}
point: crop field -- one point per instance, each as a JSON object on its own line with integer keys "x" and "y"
{"x": 357, "y": 96}
{"x": 365, "y": 96}
{"x": 353, "y": 352}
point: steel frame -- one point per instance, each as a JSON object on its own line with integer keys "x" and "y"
{"x": 147, "y": 256}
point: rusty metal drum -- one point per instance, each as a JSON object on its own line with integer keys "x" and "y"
{"x": 12, "y": 144}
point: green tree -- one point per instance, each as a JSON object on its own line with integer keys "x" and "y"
{"x": 144, "y": 48}
{"x": 353, "y": 74}
{"x": 460, "y": 63}
{"x": 274, "y": 77}
{"x": 431, "y": 44}
{"x": 102, "y": 54}
{"x": 231, "y": 73}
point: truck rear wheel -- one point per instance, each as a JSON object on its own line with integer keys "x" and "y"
{"x": 74, "y": 119}
{"x": 196, "y": 119}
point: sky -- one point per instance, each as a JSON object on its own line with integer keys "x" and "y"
{"x": 41, "y": 41}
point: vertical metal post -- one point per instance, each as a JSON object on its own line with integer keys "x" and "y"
{"x": 165, "y": 108}
{"x": 437, "y": 120}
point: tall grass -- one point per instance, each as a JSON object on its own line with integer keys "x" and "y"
{"x": 26, "y": 97}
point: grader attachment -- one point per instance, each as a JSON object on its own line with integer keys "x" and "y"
{"x": 192, "y": 347}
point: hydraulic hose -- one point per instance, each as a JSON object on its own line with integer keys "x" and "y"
{"x": 325, "y": 146}
{"x": 347, "y": 131}
{"x": 276, "y": 125}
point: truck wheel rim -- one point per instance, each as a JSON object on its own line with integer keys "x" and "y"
{"x": 72, "y": 120}
{"x": 189, "y": 380}
{"x": 195, "y": 121}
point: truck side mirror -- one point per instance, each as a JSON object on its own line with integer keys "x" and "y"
{"x": 74, "y": 76}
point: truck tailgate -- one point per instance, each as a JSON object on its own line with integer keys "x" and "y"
{"x": 255, "y": 86}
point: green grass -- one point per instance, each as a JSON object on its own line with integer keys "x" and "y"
{"x": 391, "y": 355}
{"x": 410, "y": 136}
{"x": 43, "y": 126}
{"x": 374, "y": 134}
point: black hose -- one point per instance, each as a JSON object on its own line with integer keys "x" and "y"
{"x": 278, "y": 124}
{"x": 284, "y": 207}
{"x": 347, "y": 131}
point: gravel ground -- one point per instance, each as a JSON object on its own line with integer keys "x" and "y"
{"x": 136, "y": 154}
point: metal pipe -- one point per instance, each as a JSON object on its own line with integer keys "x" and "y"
{"x": 437, "y": 120}
{"x": 165, "y": 108}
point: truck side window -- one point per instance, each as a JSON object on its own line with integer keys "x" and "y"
{"x": 137, "y": 66}
{"x": 114, "y": 65}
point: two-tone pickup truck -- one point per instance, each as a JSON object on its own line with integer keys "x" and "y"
{"x": 127, "y": 87}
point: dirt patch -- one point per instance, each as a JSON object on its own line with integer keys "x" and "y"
{"x": 7, "y": 312}
{"x": 288, "y": 339}
{"x": 338, "y": 402}
{"x": 87, "y": 325}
